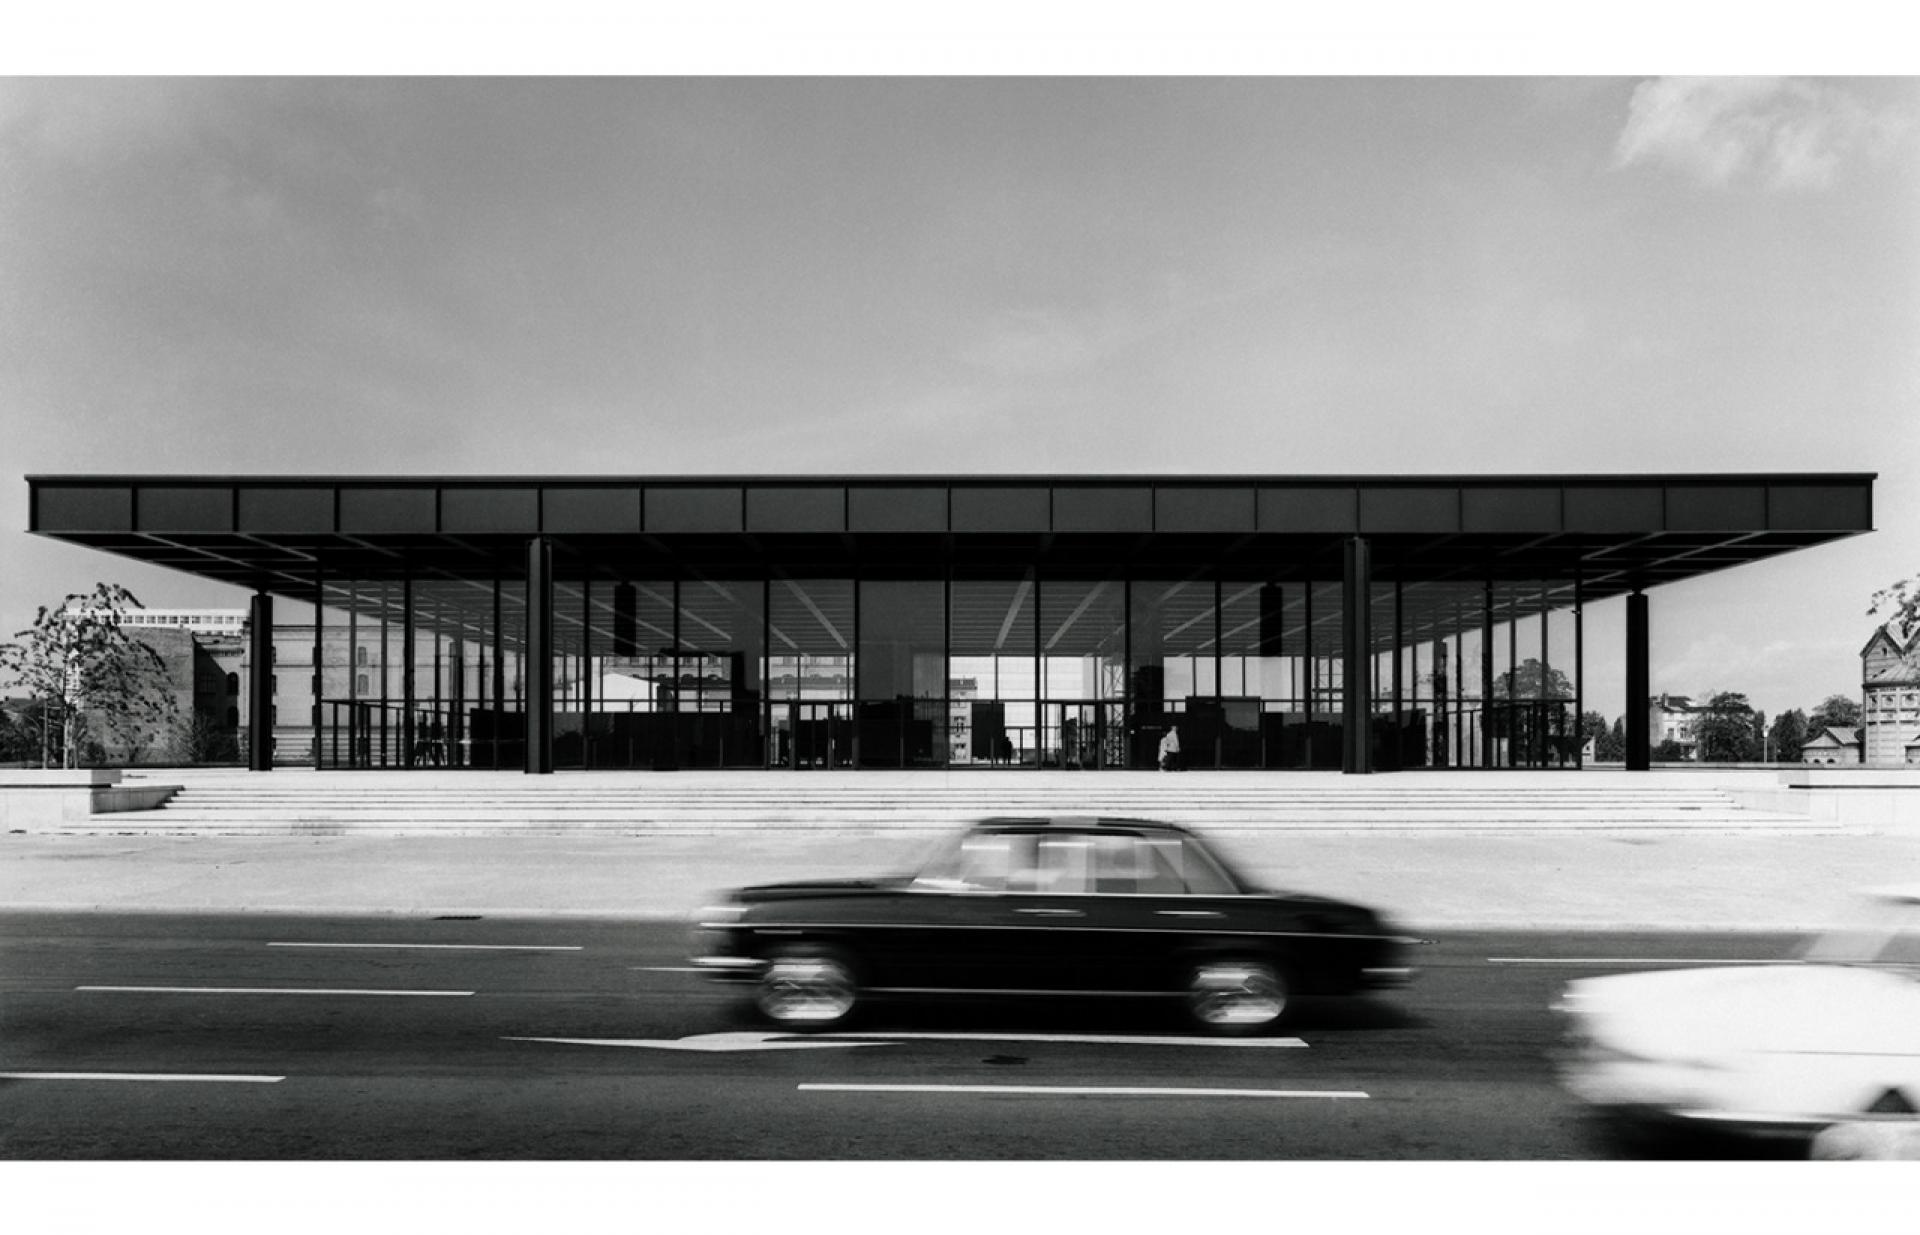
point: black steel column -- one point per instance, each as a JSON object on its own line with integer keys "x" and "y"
{"x": 260, "y": 683}
{"x": 1639, "y": 683}
{"x": 319, "y": 659}
{"x": 1486, "y": 678}
{"x": 538, "y": 670}
{"x": 1356, "y": 628}
{"x": 1579, "y": 674}
{"x": 409, "y": 739}
{"x": 499, "y": 704}
{"x": 1397, "y": 748}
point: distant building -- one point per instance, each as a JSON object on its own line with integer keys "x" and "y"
{"x": 202, "y": 621}
{"x": 1832, "y": 746}
{"x": 1674, "y": 718}
{"x": 1890, "y": 698}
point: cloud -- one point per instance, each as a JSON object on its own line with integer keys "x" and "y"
{"x": 1781, "y": 133}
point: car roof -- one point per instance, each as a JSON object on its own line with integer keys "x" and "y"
{"x": 1080, "y": 823}
{"x": 1902, "y": 893}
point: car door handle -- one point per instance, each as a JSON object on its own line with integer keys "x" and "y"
{"x": 1052, "y": 913}
{"x": 1190, "y": 913}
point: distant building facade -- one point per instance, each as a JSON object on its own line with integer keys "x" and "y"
{"x": 1890, "y": 698}
{"x": 1675, "y": 718}
{"x": 1833, "y": 746}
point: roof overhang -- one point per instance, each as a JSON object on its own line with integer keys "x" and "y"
{"x": 1613, "y": 533}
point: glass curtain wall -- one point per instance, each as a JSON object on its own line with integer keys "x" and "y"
{"x": 809, "y": 678}
{"x": 719, "y": 677}
{"x": 972, "y": 672}
{"x": 1174, "y": 626}
{"x": 901, "y": 673}
{"x": 1488, "y": 675}
{"x": 1252, "y": 671}
{"x": 428, "y": 693}
{"x": 992, "y": 684}
{"x": 1082, "y": 633}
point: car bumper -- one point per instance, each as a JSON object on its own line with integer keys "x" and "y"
{"x": 1656, "y": 1093}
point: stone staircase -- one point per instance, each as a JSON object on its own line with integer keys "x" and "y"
{"x": 487, "y": 803}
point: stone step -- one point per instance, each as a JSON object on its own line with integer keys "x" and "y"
{"x": 251, "y": 810}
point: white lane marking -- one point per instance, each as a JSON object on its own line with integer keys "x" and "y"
{"x": 448, "y": 947}
{"x": 1096, "y": 1038}
{"x": 1627, "y": 960}
{"x": 257, "y": 990}
{"x": 1115, "y": 1091}
{"x": 707, "y": 1042}
{"x": 140, "y": 1076}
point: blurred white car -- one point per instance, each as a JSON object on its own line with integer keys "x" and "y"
{"x": 1832, "y": 1036}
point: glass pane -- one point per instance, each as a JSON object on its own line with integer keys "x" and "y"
{"x": 901, "y": 661}
{"x": 991, "y": 673}
{"x": 810, "y": 639}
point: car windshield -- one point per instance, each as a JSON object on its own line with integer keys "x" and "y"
{"x": 1066, "y": 861}
{"x": 1885, "y": 933}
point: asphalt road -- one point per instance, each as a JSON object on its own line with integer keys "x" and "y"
{"x": 258, "y": 1037}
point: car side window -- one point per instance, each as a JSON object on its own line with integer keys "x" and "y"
{"x": 980, "y": 863}
{"x": 1133, "y": 864}
{"x": 1051, "y": 863}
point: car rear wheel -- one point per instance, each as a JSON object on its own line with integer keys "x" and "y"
{"x": 1234, "y": 996}
{"x": 808, "y": 988}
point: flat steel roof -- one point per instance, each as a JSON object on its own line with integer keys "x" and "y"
{"x": 1614, "y": 533}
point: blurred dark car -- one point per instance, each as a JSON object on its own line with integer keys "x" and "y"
{"x": 1049, "y": 907}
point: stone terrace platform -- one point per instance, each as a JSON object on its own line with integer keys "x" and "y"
{"x": 467, "y": 803}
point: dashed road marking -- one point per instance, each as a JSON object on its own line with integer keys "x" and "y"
{"x": 258, "y": 990}
{"x": 1105, "y": 1091}
{"x": 1098, "y": 1039}
{"x": 141, "y": 1076}
{"x": 445, "y": 947}
{"x": 1628, "y": 960}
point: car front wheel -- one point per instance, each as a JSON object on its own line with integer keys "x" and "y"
{"x": 1232, "y": 996}
{"x": 808, "y": 988}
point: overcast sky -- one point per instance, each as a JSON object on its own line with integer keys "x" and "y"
{"x": 844, "y": 276}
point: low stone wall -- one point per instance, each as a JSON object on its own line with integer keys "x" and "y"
{"x": 1855, "y": 797}
{"x": 35, "y": 798}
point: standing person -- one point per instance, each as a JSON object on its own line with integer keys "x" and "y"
{"x": 1170, "y": 749}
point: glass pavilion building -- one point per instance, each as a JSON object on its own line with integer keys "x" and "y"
{"x": 1363, "y": 623}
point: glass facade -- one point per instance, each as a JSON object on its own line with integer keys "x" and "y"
{"x": 971, "y": 670}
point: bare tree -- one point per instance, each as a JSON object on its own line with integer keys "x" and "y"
{"x": 79, "y": 664}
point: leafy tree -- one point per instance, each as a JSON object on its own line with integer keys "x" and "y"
{"x": 1612, "y": 748}
{"x": 1787, "y": 735}
{"x": 1609, "y": 741}
{"x": 198, "y": 738}
{"x": 12, "y": 742}
{"x": 1726, "y": 734}
{"x": 1532, "y": 680}
{"x": 1669, "y": 751}
{"x": 1901, "y": 602}
{"x": 1539, "y": 717}
{"x": 1834, "y": 712}
{"x": 80, "y": 665}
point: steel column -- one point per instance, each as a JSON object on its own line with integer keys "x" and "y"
{"x": 538, "y": 670}
{"x": 1356, "y": 628}
{"x": 1639, "y": 686}
{"x": 260, "y": 683}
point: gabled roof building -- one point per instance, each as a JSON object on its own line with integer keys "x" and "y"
{"x": 1890, "y": 698}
